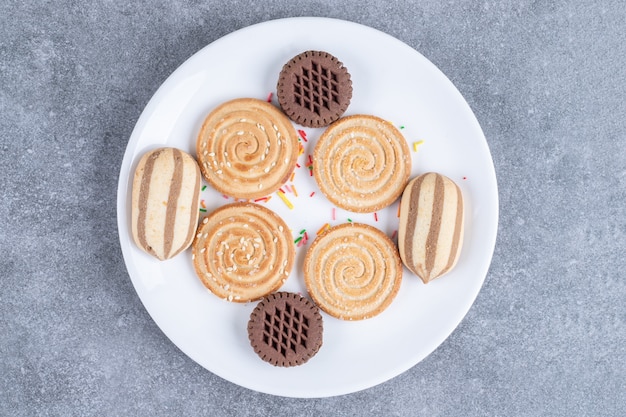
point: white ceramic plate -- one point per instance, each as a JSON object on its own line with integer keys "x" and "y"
{"x": 390, "y": 80}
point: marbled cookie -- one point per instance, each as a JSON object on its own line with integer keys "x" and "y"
{"x": 165, "y": 198}
{"x": 352, "y": 271}
{"x": 431, "y": 225}
{"x": 243, "y": 251}
{"x": 361, "y": 163}
{"x": 247, "y": 148}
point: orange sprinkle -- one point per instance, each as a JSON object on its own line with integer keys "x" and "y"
{"x": 398, "y": 209}
{"x": 293, "y": 174}
{"x": 202, "y": 203}
{"x": 293, "y": 189}
{"x": 323, "y": 228}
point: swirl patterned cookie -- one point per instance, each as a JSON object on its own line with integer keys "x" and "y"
{"x": 247, "y": 148}
{"x": 352, "y": 271}
{"x": 242, "y": 252}
{"x": 361, "y": 163}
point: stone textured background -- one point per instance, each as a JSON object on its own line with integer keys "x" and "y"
{"x": 547, "y": 334}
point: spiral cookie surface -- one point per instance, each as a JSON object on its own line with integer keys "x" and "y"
{"x": 242, "y": 252}
{"x": 361, "y": 163}
{"x": 353, "y": 271}
{"x": 247, "y": 148}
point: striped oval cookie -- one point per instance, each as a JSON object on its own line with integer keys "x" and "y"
{"x": 247, "y": 148}
{"x": 361, "y": 163}
{"x": 352, "y": 271}
{"x": 165, "y": 198}
{"x": 431, "y": 225}
{"x": 243, "y": 251}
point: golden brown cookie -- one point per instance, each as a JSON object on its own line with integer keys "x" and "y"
{"x": 430, "y": 235}
{"x": 361, "y": 163}
{"x": 352, "y": 271}
{"x": 242, "y": 252}
{"x": 247, "y": 148}
{"x": 164, "y": 208}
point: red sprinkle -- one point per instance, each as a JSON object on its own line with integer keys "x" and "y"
{"x": 464, "y": 178}
{"x": 269, "y": 97}
{"x": 225, "y": 196}
{"x": 393, "y": 235}
{"x": 302, "y": 134}
{"x": 310, "y": 160}
{"x": 297, "y": 165}
{"x": 375, "y": 216}
{"x": 312, "y": 194}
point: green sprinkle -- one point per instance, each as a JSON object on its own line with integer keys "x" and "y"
{"x": 350, "y": 220}
{"x": 302, "y": 231}
{"x": 203, "y": 187}
{"x": 203, "y": 210}
{"x": 401, "y": 126}
{"x": 298, "y": 240}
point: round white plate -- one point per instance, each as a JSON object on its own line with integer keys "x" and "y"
{"x": 390, "y": 80}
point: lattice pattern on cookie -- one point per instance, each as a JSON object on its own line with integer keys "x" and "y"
{"x": 316, "y": 87}
{"x": 285, "y": 330}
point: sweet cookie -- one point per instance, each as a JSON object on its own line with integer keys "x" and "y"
{"x": 352, "y": 271}
{"x": 314, "y": 89}
{"x": 242, "y": 252}
{"x": 247, "y": 148}
{"x": 361, "y": 163}
{"x": 165, "y": 198}
{"x": 285, "y": 329}
{"x": 431, "y": 225}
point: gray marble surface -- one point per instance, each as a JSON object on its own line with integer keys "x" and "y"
{"x": 546, "y": 335}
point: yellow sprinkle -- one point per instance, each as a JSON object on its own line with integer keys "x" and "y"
{"x": 416, "y": 144}
{"x": 285, "y": 199}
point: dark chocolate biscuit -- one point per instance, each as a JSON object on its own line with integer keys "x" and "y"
{"x": 314, "y": 89}
{"x": 285, "y": 329}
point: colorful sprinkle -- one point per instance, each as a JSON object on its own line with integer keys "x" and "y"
{"x": 269, "y": 97}
{"x": 393, "y": 235}
{"x": 464, "y": 178}
{"x": 202, "y": 203}
{"x": 323, "y": 228}
{"x": 203, "y": 187}
{"x": 334, "y": 214}
{"x": 285, "y": 199}
{"x": 401, "y": 127}
{"x": 302, "y": 134}
{"x": 417, "y": 144}
{"x": 293, "y": 189}
{"x": 293, "y": 174}
{"x": 203, "y": 210}
{"x": 264, "y": 199}
{"x": 312, "y": 194}
{"x": 298, "y": 239}
{"x": 375, "y": 216}
{"x": 398, "y": 213}
{"x": 225, "y": 196}
{"x": 350, "y": 220}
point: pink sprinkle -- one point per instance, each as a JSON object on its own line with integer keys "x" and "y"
{"x": 288, "y": 188}
{"x": 269, "y": 97}
{"x": 334, "y": 214}
{"x": 393, "y": 235}
{"x": 464, "y": 178}
{"x": 225, "y": 196}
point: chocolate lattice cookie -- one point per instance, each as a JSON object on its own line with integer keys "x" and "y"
{"x": 285, "y": 329}
{"x": 314, "y": 89}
